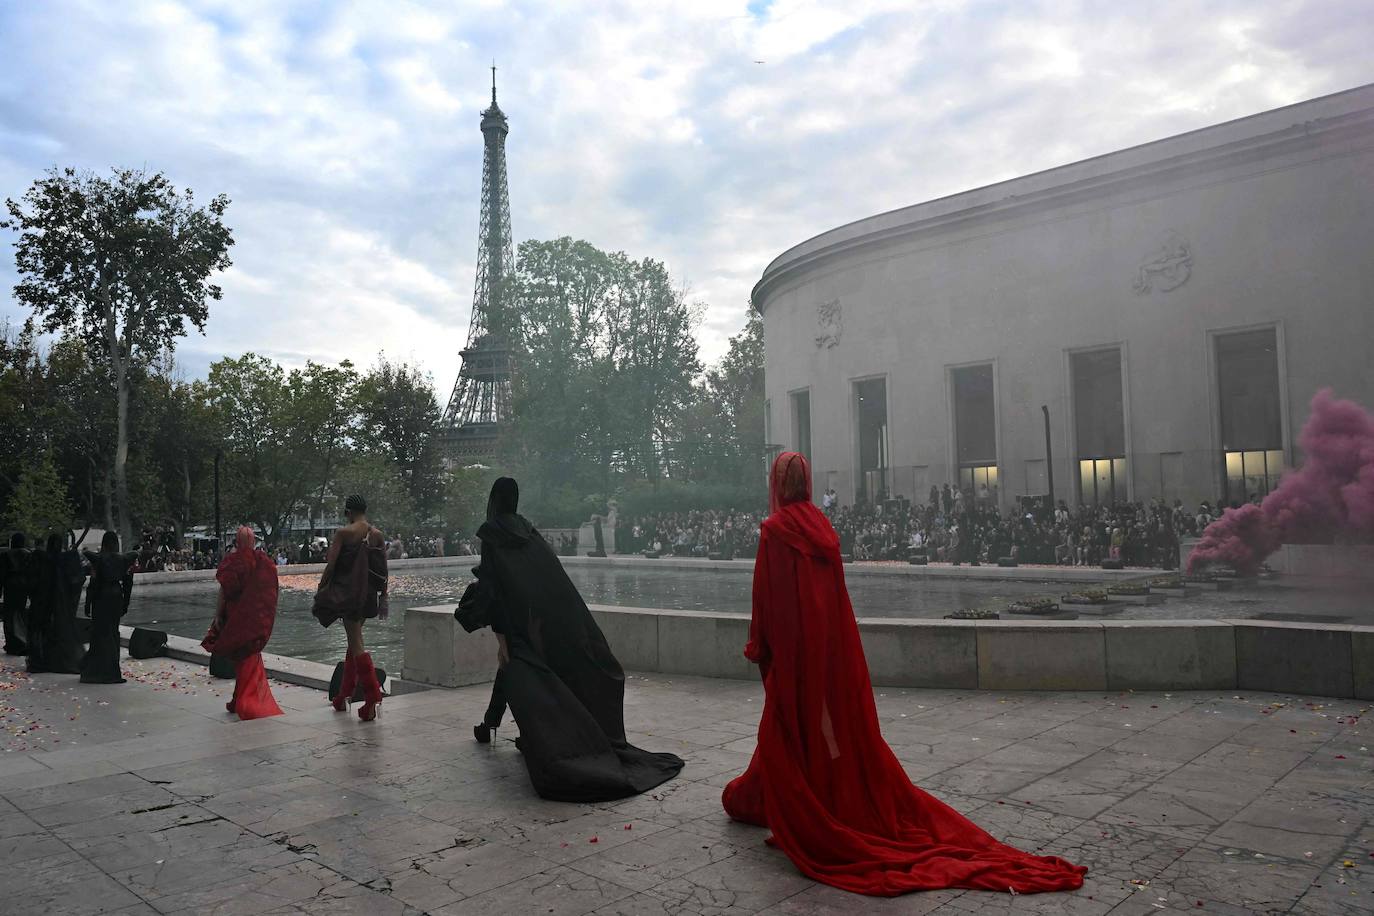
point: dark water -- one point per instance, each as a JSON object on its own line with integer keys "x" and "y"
{"x": 298, "y": 634}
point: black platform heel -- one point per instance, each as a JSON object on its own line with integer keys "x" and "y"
{"x": 484, "y": 733}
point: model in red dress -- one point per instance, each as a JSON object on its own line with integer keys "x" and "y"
{"x": 248, "y": 609}
{"x": 822, "y": 779}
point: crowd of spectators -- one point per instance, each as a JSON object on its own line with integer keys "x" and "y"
{"x": 698, "y": 533}
{"x": 1138, "y": 534}
{"x": 949, "y": 527}
{"x": 158, "y": 550}
{"x": 164, "y": 560}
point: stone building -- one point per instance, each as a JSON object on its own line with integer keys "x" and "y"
{"x": 1174, "y": 306}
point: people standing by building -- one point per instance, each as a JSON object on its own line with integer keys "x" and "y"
{"x": 243, "y": 624}
{"x": 107, "y": 600}
{"x": 822, "y": 778}
{"x": 562, "y": 681}
{"x": 353, "y": 590}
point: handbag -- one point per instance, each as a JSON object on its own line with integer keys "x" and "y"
{"x": 474, "y": 608}
{"x": 147, "y": 643}
{"x": 336, "y": 683}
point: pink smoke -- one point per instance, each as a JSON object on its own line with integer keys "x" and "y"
{"x": 1331, "y": 497}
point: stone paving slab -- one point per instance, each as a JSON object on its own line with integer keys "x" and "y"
{"x": 148, "y": 798}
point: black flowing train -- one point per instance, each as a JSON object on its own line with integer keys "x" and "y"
{"x": 565, "y": 688}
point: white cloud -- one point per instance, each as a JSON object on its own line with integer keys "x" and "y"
{"x": 347, "y": 133}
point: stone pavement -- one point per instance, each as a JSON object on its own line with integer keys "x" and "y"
{"x": 148, "y": 798}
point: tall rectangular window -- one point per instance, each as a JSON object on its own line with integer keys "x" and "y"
{"x": 975, "y": 428}
{"x": 801, "y": 422}
{"x": 1251, "y": 412}
{"x": 1099, "y": 419}
{"x": 870, "y": 430}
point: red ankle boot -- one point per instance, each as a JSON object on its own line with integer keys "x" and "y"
{"x": 347, "y": 684}
{"x": 372, "y": 690}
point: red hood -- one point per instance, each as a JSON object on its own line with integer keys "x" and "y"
{"x": 802, "y": 526}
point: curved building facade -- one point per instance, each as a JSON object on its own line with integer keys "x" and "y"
{"x": 1166, "y": 312}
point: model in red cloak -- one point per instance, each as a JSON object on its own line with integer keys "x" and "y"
{"x": 248, "y": 608}
{"x": 822, "y": 778}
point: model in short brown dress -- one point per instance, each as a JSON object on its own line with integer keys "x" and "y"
{"x": 353, "y": 589}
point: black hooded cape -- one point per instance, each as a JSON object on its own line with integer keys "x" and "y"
{"x": 564, "y": 686}
{"x": 53, "y": 641}
{"x": 107, "y": 600}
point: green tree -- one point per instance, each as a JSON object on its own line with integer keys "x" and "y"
{"x": 566, "y": 293}
{"x": 376, "y": 478}
{"x": 263, "y": 482}
{"x": 124, "y": 264}
{"x": 605, "y": 370}
{"x": 656, "y": 365}
{"x": 39, "y": 504}
{"x": 285, "y": 435}
{"x": 19, "y": 425}
{"x": 733, "y": 393}
{"x": 322, "y": 417}
{"x": 400, "y": 415}
{"x": 182, "y": 440}
{"x": 56, "y": 401}
{"x": 465, "y": 500}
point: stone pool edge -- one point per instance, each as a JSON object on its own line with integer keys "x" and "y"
{"x": 1335, "y": 660}
{"x": 298, "y": 671}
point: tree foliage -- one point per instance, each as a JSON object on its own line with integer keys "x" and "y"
{"x": 611, "y": 399}
{"x": 399, "y": 414}
{"x": 39, "y": 503}
{"x": 606, "y": 365}
{"x": 122, "y": 264}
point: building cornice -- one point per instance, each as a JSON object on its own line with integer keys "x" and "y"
{"x": 1343, "y": 118}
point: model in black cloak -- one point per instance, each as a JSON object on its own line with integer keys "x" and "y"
{"x": 14, "y": 581}
{"x": 53, "y": 641}
{"x": 107, "y": 600}
{"x": 564, "y": 686}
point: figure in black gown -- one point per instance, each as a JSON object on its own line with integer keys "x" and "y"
{"x": 107, "y": 600}
{"x": 58, "y": 575}
{"x": 564, "y": 686}
{"x": 14, "y": 580}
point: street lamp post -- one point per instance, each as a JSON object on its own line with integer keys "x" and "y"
{"x": 218, "y": 540}
{"x": 1049, "y": 455}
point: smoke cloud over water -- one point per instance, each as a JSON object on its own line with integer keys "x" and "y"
{"x": 1329, "y": 499}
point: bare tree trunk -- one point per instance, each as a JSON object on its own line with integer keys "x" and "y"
{"x": 109, "y": 501}
{"x": 90, "y": 491}
{"x": 121, "y": 457}
{"x": 185, "y": 517}
{"x": 119, "y": 363}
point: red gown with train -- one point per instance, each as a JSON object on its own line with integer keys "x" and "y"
{"x": 248, "y": 589}
{"x": 822, "y": 778}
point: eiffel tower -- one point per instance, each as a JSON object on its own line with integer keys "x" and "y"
{"x": 479, "y": 409}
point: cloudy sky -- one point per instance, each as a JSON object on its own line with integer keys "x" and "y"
{"x": 709, "y": 134}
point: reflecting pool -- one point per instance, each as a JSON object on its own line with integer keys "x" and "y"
{"x": 297, "y": 633}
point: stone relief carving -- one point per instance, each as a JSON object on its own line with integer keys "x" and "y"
{"x": 829, "y": 317}
{"x": 1168, "y": 265}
